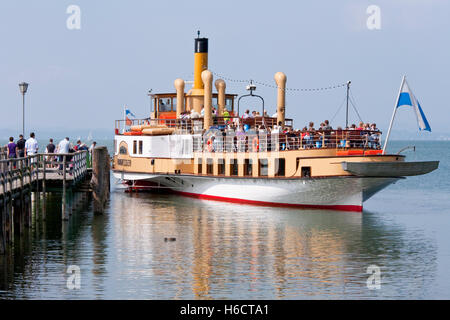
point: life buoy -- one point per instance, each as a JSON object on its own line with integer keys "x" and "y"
{"x": 209, "y": 145}
{"x": 255, "y": 144}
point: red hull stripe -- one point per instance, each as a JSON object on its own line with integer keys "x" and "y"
{"x": 352, "y": 208}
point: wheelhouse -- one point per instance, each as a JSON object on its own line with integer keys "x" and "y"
{"x": 164, "y": 105}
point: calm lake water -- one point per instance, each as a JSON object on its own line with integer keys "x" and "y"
{"x": 230, "y": 251}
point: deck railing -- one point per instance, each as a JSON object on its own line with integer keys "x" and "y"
{"x": 195, "y": 125}
{"x": 262, "y": 141}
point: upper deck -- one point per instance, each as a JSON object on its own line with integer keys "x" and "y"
{"x": 227, "y": 134}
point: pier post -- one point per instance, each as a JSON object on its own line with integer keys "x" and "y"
{"x": 100, "y": 178}
{"x": 2, "y": 227}
{"x": 36, "y": 194}
{"x": 44, "y": 194}
{"x": 64, "y": 211}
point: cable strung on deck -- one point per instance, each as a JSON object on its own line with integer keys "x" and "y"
{"x": 276, "y": 87}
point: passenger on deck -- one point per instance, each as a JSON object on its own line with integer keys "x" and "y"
{"x": 306, "y": 137}
{"x": 226, "y": 116}
{"x": 246, "y": 114}
{"x": 195, "y": 114}
{"x": 374, "y": 138}
{"x": 361, "y": 126}
{"x": 311, "y": 127}
{"x": 277, "y": 128}
{"x": 327, "y": 125}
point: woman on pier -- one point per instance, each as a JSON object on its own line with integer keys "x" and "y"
{"x": 12, "y": 149}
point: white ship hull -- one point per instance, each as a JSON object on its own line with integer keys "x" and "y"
{"x": 340, "y": 193}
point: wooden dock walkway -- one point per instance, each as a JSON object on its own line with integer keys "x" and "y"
{"x": 39, "y": 174}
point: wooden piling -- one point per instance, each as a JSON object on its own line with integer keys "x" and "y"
{"x": 64, "y": 211}
{"x": 100, "y": 178}
{"x": 44, "y": 192}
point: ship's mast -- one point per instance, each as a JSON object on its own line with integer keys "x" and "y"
{"x": 346, "y": 112}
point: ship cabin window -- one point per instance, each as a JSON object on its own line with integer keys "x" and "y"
{"x": 199, "y": 165}
{"x": 234, "y": 169}
{"x": 263, "y": 167}
{"x": 140, "y": 146}
{"x": 306, "y": 172}
{"x": 209, "y": 166}
{"x": 248, "y": 167}
{"x": 123, "y": 150}
{"x": 221, "y": 167}
{"x": 134, "y": 146}
{"x": 280, "y": 167}
{"x": 229, "y": 104}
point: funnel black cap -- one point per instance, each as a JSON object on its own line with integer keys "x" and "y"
{"x": 201, "y": 45}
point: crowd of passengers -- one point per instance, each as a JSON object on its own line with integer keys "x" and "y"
{"x": 365, "y": 135}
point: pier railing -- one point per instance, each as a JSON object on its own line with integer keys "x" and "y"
{"x": 15, "y": 173}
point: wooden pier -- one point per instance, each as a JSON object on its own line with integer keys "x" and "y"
{"x": 22, "y": 179}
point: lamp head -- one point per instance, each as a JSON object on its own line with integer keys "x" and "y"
{"x": 23, "y": 87}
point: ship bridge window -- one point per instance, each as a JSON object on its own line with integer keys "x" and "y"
{"x": 140, "y": 146}
{"x": 229, "y": 104}
{"x": 134, "y": 146}
{"x": 165, "y": 105}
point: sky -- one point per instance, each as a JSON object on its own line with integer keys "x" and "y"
{"x": 80, "y": 79}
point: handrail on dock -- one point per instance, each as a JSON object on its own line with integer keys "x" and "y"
{"x": 16, "y": 173}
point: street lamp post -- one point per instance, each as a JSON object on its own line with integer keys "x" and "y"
{"x": 23, "y": 89}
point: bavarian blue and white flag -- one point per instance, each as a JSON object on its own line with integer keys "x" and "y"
{"x": 407, "y": 99}
{"x": 128, "y": 115}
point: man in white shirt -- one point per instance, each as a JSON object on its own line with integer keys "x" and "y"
{"x": 31, "y": 146}
{"x": 63, "y": 147}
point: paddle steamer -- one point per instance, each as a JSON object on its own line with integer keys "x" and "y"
{"x": 209, "y": 157}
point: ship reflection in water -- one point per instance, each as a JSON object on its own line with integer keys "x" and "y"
{"x": 221, "y": 251}
{"x": 227, "y": 251}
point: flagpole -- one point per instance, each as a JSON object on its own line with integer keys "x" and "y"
{"x": 124, "y": 118}
{"x": 393, "y": 115}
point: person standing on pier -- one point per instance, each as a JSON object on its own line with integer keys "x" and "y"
{"x": 63, "y": 148}
{"x": 31, "y": 146}
{"x": 21, "y": 147}
{"x": 50, "y": 149}
{"x": 12, "y": 149}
